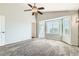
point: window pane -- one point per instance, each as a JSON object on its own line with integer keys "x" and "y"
{"x": 53, "y": 27}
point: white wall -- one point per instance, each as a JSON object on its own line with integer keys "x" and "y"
{"x": 18, "y": 23}
{"x": 74, "y": 29}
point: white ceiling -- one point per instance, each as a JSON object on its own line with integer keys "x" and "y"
{"x": 59, "y": 7}
{"x": 48, "y": 6}
{"x": 56, "y": 6}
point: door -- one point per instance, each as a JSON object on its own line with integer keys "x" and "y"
{"x": 33, "y": 30}
{"x": 2, "y": 30}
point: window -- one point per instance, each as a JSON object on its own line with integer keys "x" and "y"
{"x": 41, "y": 29}
{"x": 53, "y": 26}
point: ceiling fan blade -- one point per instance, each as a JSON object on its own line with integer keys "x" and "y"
{"x": 30, "y": 5}
{"x": 33, "y": 13}
{"x": 28, "y": 10}
{"x": 40, "y": 12}
{"x": 41, "y": 8}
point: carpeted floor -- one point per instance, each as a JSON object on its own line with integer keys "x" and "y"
{"x": 39, "y": 47}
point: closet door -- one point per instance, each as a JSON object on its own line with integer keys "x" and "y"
{"x": 2, "y": 30}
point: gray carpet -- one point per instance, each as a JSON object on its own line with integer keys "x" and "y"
{"x": 39, "y": 47}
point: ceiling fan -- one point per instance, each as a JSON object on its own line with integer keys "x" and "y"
{"x": 35, "y": 9}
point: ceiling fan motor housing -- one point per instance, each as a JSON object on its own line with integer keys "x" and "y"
{"x": 34, "y": 9}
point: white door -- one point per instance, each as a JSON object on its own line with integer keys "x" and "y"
{"x": 2, "y": 30}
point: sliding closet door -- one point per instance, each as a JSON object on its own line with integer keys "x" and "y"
{"x": 2, "y": 30}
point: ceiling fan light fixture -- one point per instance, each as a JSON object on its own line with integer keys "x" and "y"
{"x": 34, "y": 10}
